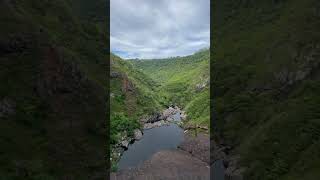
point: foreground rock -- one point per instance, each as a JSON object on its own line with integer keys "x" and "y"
{"x": 137, "y": 134}
{"x": 221, "y": 152}
{"x": 168, "y": 165}
{"x": 198, "y": 146}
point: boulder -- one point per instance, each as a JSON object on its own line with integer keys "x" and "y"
{"x": 137, "y": 134}
{"x": 125, "y": 144}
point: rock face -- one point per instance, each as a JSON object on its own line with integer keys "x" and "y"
{"x": 168, "y": 165}
{"x": 221, "y": 152}
{"x": 198, "y": 146}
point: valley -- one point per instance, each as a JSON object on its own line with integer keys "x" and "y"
{"x": 176, "y": 92}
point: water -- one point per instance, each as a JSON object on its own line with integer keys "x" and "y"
{"x": 153, "y": 140}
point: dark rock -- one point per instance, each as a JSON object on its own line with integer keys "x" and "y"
{"x": 115, "y": 74}
{"x": 125, "y": 144}
{"x": 7, "y": 107}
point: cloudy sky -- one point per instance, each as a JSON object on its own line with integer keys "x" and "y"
{"x": 159, "y": 28}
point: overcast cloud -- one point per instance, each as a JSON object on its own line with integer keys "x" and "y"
{"x": 159, "y": 28}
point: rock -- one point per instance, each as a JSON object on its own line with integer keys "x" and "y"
{"x": 137, "y": 134}
{"x": 6, "y": 107}
{"x": 154, "y": 118}
{"x": 125, "y": 144}
{"x": 127, "y": 85}
{"x": 115, "y": 74}
{"x": 198, "y": 146}
{"x": 183, "y": 116}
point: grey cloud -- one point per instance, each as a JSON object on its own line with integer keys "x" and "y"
{"x": 159, "y": 28}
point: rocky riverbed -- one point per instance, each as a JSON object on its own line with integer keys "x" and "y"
{"x": 189, "y": 160}
{"x": 192, "y": 158}
{"x": 172, "y": 114}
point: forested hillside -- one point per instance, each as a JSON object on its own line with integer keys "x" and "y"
{"x": 133, "y": 95}
{"x": 183, "y": 81}
{"x": 266, "y": 85}
{"x": 53, "y": 89}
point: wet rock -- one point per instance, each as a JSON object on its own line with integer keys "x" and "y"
{"x": 156, "y": 124}
{"x": 125, "y": 144}
{"x": 137, "y": 134}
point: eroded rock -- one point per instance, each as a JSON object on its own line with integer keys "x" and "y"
{"x": 137, "y": 134}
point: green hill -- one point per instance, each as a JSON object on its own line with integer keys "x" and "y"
{"x": 53, "y": 89}
{"x": 183, "y": 81}
{"x": 266, "y": 85}
{"x": 133, "y": 95}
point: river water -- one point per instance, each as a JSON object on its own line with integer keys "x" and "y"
{"x": 161, "y": 138}
{"x": 156, "y": 139}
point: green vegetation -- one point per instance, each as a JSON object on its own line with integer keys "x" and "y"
{"x": 266, "y": 85}
{"x": 53, "y": 88}
{"x": 143, "y": 87}
{"x": 132, "y": 95}
{"x": 121, "y": 123}
{"x": 183, "y": 81}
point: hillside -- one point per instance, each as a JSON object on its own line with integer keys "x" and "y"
{"x": 53, "y": 89}
{"x": 266, "y": 74}
{"x": 133, "y": 95}
{"x": 183, "y": 81}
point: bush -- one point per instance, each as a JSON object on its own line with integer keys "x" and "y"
{"x": 122, "y": 123}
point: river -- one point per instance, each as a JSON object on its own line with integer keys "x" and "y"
{"x": 165, "y": 137}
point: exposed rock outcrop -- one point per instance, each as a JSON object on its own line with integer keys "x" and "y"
{"x": 137, "y": 134}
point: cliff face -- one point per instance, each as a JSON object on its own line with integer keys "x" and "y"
{"x": 266, "y": 85}
{"x": 53, "y": 90}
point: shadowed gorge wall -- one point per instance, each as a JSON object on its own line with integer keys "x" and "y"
{"x": 266, "y": 85}
{"x": 53, "y": 89}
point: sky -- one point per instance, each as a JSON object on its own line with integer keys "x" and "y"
{"x": 150, "y": 29}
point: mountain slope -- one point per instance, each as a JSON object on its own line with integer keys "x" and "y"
{"x": 266, "y": 85}
{"x": 53, "y": 91}
{"x": 183, "y": 81}
{"x": 133, "y": 96}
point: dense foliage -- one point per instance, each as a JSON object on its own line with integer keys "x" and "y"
{"x": 53, "y": 88}
{"x": 183, "y": 81}
{"x": 266, "y": 85}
